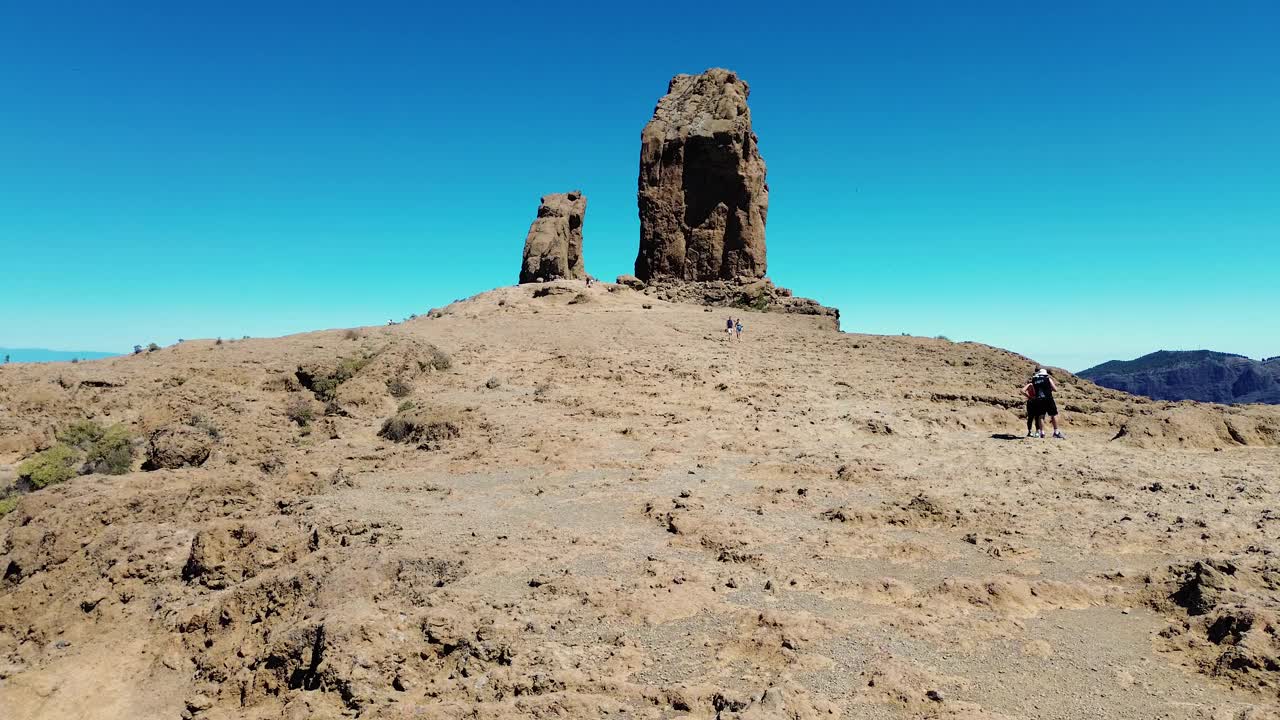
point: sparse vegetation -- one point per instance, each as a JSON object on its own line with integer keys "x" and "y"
{"x": 942, "y": 337}
{"x": 137, "y": 349}
{"x": 493, "y": 383}
{"x": 419, "y": 426}
{"x": 406, "y": 406}
{"x": 105, "y": 450}
{"x": 351, "y": 334}
{"x": 81, "y": 434}
{"x": 201, "y": 422}
{"x": 152, "y": 347}
{"x": 325, "y": 385}
{"x": 218, "y": 341}
{"x": 398, "y": 387}
{"x": 55, "y": 465}
{"x": 8, "y": 504}
{"x": 112, "y": 453}
{"x": 299, "y": 410}
{"x": 437, "y": 359}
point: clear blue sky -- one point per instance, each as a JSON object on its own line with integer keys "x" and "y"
{"x": 1074, "y": 181}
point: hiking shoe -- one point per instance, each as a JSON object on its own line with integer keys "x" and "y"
{"x": 1059, "y": 435}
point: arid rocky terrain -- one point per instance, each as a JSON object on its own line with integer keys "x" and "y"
{"x": 559, "y": 501}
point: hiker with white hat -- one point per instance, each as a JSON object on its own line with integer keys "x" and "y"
{"x": 1040, "y": 402}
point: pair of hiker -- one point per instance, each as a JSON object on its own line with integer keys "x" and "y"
{"x": 733, "y": 328}
{"x": 1040, "y": 402}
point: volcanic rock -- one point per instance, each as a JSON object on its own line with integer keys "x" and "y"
{"x": 702, "y": 193}
{"x": 176, "y": 447}
{"x": 553, "y": 248}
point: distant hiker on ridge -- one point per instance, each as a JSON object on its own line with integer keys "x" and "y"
{"x": 728, "y": 327}
{"x": 1041, "y": 388}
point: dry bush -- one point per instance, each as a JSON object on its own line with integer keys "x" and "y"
{"x": 298, "y": 409}
{"x": 399, "y": 388}
{"x": 437, "y": 359}
{"x": 420, "y": 426}
{"x": 324, "y": 382}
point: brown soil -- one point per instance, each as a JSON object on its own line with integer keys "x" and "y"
{"x": 606, "y": 507}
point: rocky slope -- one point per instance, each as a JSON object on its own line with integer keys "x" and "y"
{"x": 561, "y": 501}
{"x": 1200, "y": 375}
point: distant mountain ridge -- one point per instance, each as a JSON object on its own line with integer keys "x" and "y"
{"x": 1202, "y": 375}
{"x": 46, "y": 355}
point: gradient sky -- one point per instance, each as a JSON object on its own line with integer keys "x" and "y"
{"x": 1076, "y": 182}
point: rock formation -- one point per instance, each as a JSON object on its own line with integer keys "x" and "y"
{"x": 702, "y": 192}
{"x": 553, "y": 248}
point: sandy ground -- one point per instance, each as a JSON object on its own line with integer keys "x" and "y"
{"x": 637, "y": 518}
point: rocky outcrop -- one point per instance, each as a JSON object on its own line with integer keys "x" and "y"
{"x": 553, "y": 248}
{"x": 176, "y": 447}
{"x": 702, "y": 193}
{"x": 1201, "y": 375}
{"x": 758, "y": 294}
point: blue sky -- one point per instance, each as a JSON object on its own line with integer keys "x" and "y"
{"x": 1074, "y": 183}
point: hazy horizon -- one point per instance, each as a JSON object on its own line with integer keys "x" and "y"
{"x": 1077, "y": 184}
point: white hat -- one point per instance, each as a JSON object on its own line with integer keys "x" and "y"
{"x": 1041, "y": 372}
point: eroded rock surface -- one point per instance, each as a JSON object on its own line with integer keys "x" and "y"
{"x": 702, "y": 193}
{"x": 553, "y": 248}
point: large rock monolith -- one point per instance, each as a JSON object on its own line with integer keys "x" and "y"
{"x": 703, "y": 198}
{"x": 553, "y": 248}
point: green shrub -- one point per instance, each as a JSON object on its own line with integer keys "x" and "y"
{"x": 81, "y": 434}
{"x": 54, "y": 465}
{"x": 326, "y": 387}
{"x": 112, "y": 453}
{"x": 8, "y": 504}
{"x": 152, "y": 347}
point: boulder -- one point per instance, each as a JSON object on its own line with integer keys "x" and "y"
{"x": 553, "y": 248}
{"x": 631, "y": 281}
{"x": 178, "y": 446}
{"x": 702, "y": 193}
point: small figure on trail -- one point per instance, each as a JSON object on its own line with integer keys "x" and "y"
{"x": 738, "y": 328}
{"x": 1041, "y": 390}
{"x": 728, "y": 327}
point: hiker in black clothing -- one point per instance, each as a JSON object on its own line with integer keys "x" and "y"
{"x": 1041, "y": 402}
{"x": 1033, "y": 420}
